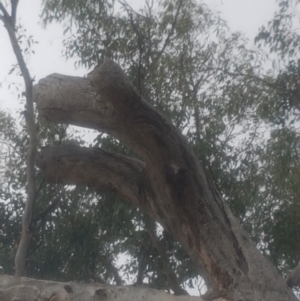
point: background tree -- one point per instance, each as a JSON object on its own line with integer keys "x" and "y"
{"x": 9, "y": 22}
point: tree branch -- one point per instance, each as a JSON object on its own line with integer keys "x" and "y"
{"x": 98, "y": 169}
{"x": 14, "y": 5}
{"x": 114, "y": 271}
{"x": 140, "y": 41}
{"x": 5, "y": 16}
{"x": 141, "y": 268}
{"x": 167, "y": 40}
{"x": 171, "y": 276}
{"x": 50, "y": 208}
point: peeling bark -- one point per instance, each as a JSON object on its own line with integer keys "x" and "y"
{"x": 175, "y": 190}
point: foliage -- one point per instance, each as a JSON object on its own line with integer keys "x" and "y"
{"x": 280, "y": 160}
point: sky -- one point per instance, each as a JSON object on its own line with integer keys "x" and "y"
{"x": 246, "y": 16}
{"x": 242, "y": 15}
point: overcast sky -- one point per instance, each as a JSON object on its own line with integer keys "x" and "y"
{"x": 242, "y": 15}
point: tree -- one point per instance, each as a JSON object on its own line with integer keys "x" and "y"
{"x": 281, "y": 159}
{"x": 238, "y": 116}
{"x": 169, "y": 184}
{"x": 180, "y": 176}
{"x": 9, "y": 21}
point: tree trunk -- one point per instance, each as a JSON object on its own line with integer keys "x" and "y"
{"x": 9, "y": 22}
{"x": 167, "y": 183}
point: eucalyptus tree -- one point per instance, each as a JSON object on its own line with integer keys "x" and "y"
{"x": 176, "y": 54}
{"x": 183, "y": 60}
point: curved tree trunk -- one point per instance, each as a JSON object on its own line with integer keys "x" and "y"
{"x": 167, "y": 182}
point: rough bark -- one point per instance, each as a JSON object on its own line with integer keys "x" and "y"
{"x": 97, "y": 168}
{"x": 173, "y": 188}
{"x": 26, "y": 289}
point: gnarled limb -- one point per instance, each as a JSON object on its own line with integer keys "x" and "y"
{"x": 97, "y": 168}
